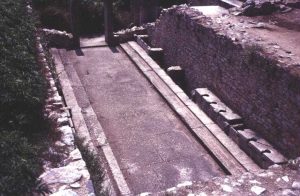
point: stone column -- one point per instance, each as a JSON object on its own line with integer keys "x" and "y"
{"x": 74, "y": 21}
{"x": 108, "y": 22}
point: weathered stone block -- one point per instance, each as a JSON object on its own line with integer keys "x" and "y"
{"x": 270, "y": 154}
{"x": 155, "y": 53}
{"x": 226, "y": 119}
{"x": 196, "y": 96}
{"x": 238, "y": 126}
{"x": 246, "y": 135}
{"x": 230, "y": 117}
{"x": 234, "y": 135}
{"x": 274, "y": 157}
{"x": 265, "y": 154}
{"x": 214, "y": 109}
{"x": 218, "y": 107}
{"x": 258, "y": 147}
{"x": 209, "y": 99}
{"x": 201, "y": 91}
{"x": 255, "y": 151}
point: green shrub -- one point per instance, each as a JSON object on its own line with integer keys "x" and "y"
{"x": 168, "y": 3}
{"x": 19, "y": 165}
{"x": 22, "y": 95}
{"x": 22, "y": 87}
{"x": 55, "y": 18}
{"x": 54, "y": 14}
{"x": 91, "y": 16}
{"x": 95, "y": 167}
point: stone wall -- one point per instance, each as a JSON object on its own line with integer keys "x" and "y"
{"x": 259, "y": 88}
{"x": 58, "y": 39}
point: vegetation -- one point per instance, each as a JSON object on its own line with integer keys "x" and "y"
{"x": 95, "y": 167}
{"x": 19, "y": 165}
{"x": 23, "y": 88}
{"x": 168, "y": 3}
{"x": 22, "y": 95}
{"x": 54, "y": 14}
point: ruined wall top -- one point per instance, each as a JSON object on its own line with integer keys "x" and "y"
{"x": 247, "y": 32}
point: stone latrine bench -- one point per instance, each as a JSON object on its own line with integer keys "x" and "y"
{"x": 252, "y": 143}
{"x": 216, "y": 109}
{"x": 155, "y": 53}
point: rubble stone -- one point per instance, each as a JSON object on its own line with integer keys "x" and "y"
{"x": 257, "y": 190}
{"x": 288, "y": 192}
{"x": 75, "y": 155}
{"x": 67, "y": 135}
{"x": 296, "y": 185}
{"x": 61, "y": 178}
{"x": 227, "y": 188}
{"x": 64, "y": 193}
{"x": 75, "y": 185}
{"x": 65, "y": 175}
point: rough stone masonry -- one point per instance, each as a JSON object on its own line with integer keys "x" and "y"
{"x": 265, "y": 91}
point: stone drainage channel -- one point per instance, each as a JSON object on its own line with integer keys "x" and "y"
{"x": 69, "y": 176}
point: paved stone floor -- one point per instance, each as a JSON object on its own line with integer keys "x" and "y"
{"x": 152, "y": 146}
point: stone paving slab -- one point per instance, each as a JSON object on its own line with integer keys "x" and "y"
{"x": 135, "y": 118}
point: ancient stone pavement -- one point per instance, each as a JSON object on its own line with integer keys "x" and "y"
{"x": 152, "y": 146}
